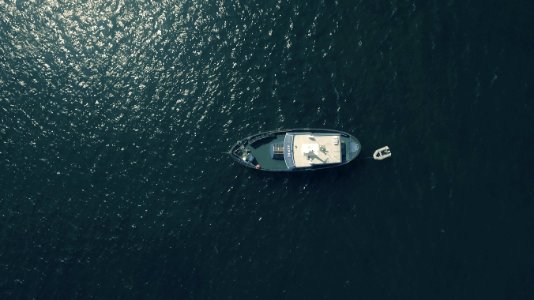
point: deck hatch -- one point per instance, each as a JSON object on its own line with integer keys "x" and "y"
{"x": 277, "y": 151}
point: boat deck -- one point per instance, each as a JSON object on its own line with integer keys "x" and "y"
{"x": 262, "y": 154}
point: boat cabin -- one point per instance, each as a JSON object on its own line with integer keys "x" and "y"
{"x": 303, "y": 150}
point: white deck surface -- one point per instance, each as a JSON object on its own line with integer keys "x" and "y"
{"x": 311, "y": 150}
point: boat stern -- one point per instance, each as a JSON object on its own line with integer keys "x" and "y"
{"x": 354, "y": 148}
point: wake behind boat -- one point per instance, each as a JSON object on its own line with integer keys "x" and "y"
{"x": 300, "y": 149}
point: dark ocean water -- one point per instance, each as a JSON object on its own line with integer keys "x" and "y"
{"x": 113, "y": 117}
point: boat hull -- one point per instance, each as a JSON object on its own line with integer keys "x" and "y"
{"x": 256, "y": 151}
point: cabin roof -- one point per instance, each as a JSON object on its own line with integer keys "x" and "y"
{"x": 308, "y": 149}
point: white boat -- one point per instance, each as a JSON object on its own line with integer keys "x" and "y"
{"x": 382, "y": 153}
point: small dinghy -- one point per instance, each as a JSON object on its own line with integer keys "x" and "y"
{"x": 382, "y": 153}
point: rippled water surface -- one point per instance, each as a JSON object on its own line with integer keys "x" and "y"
{"x": 114, "y": 116}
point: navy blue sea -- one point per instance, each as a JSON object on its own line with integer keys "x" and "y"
{"x": 114, "y": 116}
